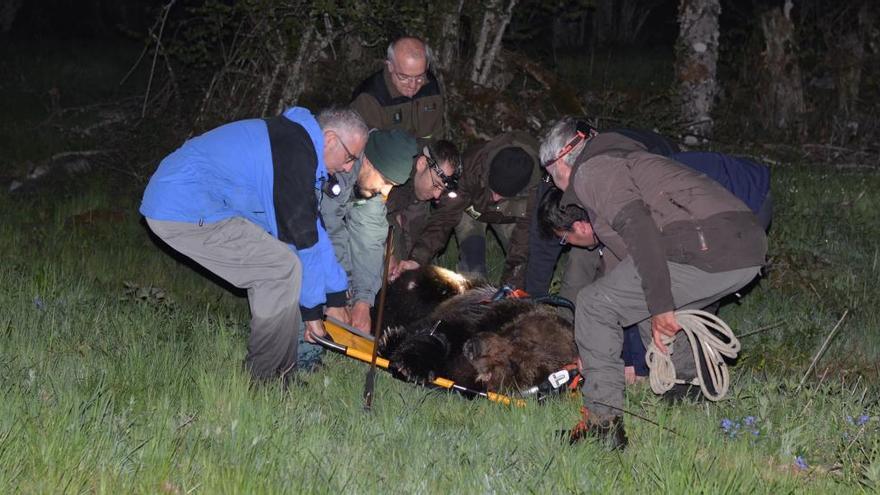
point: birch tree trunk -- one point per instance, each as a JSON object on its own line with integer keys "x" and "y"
{"x": 495, "y": 23}
{"x": 695, "y": 65}
{"x": 783, "y": 101}
{"x": 485, "y": 31}
{"x": 295, "y": 82}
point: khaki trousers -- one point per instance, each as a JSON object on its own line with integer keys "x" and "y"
{"x": 248, "y": 257}
{"x": 616, "y": 300}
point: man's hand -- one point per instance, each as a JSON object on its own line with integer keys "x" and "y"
{"x": 360, "y": 316}
{"x": 397, "y": 269}
{"x": 629, "y": 375}
{"x": 340, "y": 314}
{"x": 314, "y": 328}
{"x": 664, "y": 324}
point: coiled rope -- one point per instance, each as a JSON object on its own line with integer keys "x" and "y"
{"x": 707, "y": 334}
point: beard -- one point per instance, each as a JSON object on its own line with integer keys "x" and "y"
{"x": 362, "y": 193}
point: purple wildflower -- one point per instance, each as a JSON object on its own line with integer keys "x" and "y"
{"x": 39, "y": 304}
{"x": 864, "y": 418}
{"x": 749, "y": 420}
{"x": 800, "y": 463}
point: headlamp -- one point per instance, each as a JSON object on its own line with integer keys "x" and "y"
{"x": 583, "y": 131}
{"x": 450, "y": 182}
{"x": 331, "y": 186}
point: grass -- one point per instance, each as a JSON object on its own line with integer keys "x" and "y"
{"x": 121, "y": 373}
{"x": 120, "y": 370}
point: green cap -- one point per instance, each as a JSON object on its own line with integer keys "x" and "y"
{"x": 391, "y": 153}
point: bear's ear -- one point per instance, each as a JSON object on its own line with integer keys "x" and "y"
{"x": 411, "y": 285}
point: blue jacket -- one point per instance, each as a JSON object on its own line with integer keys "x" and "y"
{"x": 228, "y": 172}
{"x": 747, "y": 180}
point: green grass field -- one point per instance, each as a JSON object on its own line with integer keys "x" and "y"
{"x": 120, "y": 372}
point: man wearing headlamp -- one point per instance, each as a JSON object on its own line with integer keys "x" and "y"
{"x": 496, "y": 191}
{"x": 416, "y": 208}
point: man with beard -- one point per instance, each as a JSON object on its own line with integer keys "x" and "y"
{"x": 355, "y": 214}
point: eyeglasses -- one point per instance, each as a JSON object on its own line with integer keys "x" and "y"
{"x": 564, "y": 238}
{"x": 350, "y": 158}
{"x": 447, "y": 182}
{"x": 584, "y": 131}
{"x": 404, "y": 78}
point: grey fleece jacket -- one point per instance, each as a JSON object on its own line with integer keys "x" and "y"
{"x": 357, "y": 228}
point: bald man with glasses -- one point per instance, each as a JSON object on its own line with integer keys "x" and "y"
{"x": 405, "y": 94}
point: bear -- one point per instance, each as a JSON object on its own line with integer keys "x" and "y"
{"x": 471, "y": 336}
{"x": 415, "y": 293}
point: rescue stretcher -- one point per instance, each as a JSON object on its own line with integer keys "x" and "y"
{"x": 357, "y": 345}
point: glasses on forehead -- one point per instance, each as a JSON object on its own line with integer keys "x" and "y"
{"x": 349, "y": 156}
{"x": 583, "y": 131}
{"x": 564, "y": 238}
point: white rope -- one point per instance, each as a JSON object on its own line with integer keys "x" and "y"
{"x": 706, "y": 333}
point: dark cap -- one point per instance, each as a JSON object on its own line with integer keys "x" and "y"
{"x": 391, "y": 153}
{"x": 510, "y": 171}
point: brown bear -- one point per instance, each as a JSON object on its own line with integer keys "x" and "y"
{"x": 471, "y": 336}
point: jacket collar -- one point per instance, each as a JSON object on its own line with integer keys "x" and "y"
{"x": 604, "y": 143}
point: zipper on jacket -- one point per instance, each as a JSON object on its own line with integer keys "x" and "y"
{"x": 704, "y": 246}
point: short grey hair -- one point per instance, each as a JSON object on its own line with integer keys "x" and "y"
{"x": 559, "y": 134}
{"x": 429, "y": 53}
{"x": 342, "y": 120}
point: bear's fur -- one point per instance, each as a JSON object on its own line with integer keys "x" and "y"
{"x": 417, "y": 292}
{"x": 510, "y": 344}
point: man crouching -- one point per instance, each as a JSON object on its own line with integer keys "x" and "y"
{"x": 684, "y": 242}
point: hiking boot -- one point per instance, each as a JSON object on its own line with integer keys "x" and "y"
{"x": 608, "y": 430}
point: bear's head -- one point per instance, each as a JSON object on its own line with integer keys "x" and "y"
{"x": 492, "y": 356}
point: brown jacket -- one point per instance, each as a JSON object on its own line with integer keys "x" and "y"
{"x": 656, "y": 210}
{"x": 383, "y": 107}
{"x": 474, "y": 198}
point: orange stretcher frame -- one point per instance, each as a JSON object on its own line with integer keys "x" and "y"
{"x": 360, "y": 347}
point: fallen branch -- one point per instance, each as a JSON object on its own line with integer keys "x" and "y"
{"x": 821, "y": 350}
{"x": 166, "y": 9}
{"x": 763, "y": 329}
{"x": 85, "y": 153}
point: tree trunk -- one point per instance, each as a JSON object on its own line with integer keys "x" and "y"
{"x": 783, "y": 102}
{"x": 696, "y": 58}
{"x": 502, "y": 21}
{"x": 850, "y": 59}
{"x": 495, "y": 23}
{"x": 485, "y": 32}
{"x": 449, "y": 37}
{"x": 295, "y": 82}
{"x": 8, "y": 11}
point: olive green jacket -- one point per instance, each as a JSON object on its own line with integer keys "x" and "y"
{"x": 383, "y": 107}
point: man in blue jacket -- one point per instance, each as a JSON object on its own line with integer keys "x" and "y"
{"x": 242, "y": 201}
